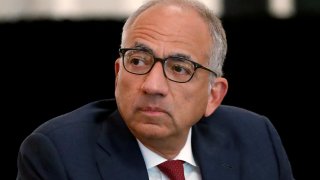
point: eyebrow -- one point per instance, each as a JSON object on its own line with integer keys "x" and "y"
{"x": 144, "y": 47}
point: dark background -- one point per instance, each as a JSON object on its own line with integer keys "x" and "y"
{"x": 51, "y": 67}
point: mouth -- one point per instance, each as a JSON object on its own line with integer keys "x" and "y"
{"x": 153, "y": 111}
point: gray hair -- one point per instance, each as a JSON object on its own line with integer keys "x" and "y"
{"x": 219, "y": 48}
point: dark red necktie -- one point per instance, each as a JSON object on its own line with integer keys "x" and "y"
{"x": 173, "y": 169}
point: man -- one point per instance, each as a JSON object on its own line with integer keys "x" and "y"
{"x": 169, "y": 89}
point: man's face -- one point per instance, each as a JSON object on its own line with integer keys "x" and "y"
{"x": 152, "y": 106}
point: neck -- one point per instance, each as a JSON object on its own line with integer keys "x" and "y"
{"x": 168, "y": 148}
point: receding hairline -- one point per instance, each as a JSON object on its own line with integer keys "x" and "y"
{"x": 179, "y": 3}
{"x": 218, "y": 47}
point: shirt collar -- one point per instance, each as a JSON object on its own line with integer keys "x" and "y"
{"x": 152, "y": 159}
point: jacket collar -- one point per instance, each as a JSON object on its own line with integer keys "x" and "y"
{"x": 118, "y": 154}
{"x": 214, "y": 150}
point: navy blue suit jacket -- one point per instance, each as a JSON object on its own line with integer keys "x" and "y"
{"x": 93, "y": 143}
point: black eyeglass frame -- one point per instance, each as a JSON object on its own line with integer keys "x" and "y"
{"x": 123, "y": 51}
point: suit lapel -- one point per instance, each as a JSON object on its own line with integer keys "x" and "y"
{"x": 118, "y": 155}
{"x": 214, "y": 150}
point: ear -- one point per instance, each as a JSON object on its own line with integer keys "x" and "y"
{"x": 216, "y": 94}
{"x": 116, "y": 70}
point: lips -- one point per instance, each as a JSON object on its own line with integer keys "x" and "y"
{"x": 152, "y": 109}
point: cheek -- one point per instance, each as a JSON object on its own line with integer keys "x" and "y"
{"x": 125, "y": 90}
{"x": 191, "y": 102}
{"x": 197, "y": 101}
{"x": 195, "y": 93}
{"x": 126, "y": 86}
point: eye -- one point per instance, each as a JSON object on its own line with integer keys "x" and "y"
{"x": 137, "y": 61}
{"x": 136, "y": 58}
{"x": 179, "y": 67}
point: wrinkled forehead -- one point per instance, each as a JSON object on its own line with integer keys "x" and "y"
{"x": 170, "y": 23}
{"x": 170, "y": 13}
{"x": 171, "y": 29}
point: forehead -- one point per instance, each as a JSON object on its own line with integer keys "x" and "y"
{"x": 172, "y": 18}
{"x": 172, "y": 26}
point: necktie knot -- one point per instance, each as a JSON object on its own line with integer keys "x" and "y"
{"x": 173, "y": 169}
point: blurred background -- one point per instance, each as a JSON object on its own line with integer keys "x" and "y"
{"x": 57, "y": 55}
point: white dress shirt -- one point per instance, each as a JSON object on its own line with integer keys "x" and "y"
{"x": 191, "y": 169}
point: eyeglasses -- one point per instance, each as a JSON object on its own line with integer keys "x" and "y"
{"x": 175, "y": 68}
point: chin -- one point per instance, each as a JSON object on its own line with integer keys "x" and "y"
{"x": 151, "y": 131}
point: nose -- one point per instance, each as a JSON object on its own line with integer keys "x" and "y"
{"x": 155, "y": 82}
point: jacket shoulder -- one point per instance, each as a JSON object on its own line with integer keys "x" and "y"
{"x": 234, "y": 111}
{"x": 89, "y": 114}
{"x": 243, "y": 138}
{"x": 236, "y": 121}
{"x": 232, "y": 114}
